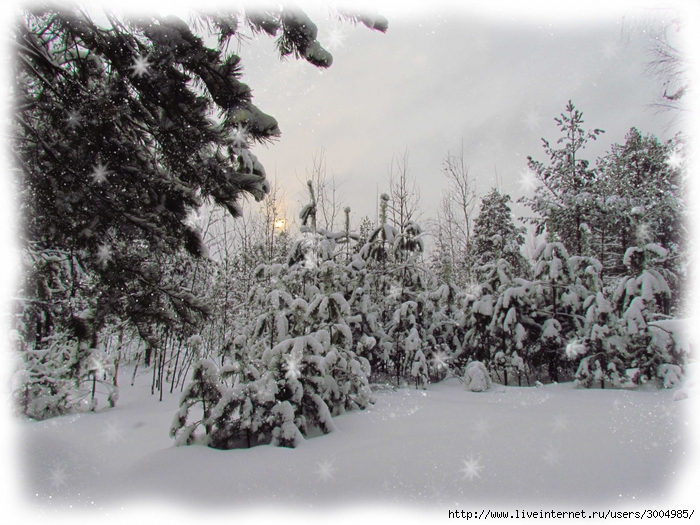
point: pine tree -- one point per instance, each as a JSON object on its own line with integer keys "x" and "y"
{"x": 409, "y": 301}
{"x": 601, "y": 349}
{"x": 497, "y": 262}
{"x": 511, "y": 325}
{"x": 120, "y": 133}
{"x": 641, "y": 297}
{"x": 478, "y": 338}
{"x": 561, "y": 286}
{"x": 447, "y": 329}
{"x": 293, "y": 366}
{"x": 377, "y": 259}
{"x": 563, "y": 199}
{"x": 496, "y": 236}
{"x": 639, "y": 199}
{"x": 365, "y": 231}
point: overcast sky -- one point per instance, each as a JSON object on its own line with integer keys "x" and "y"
{"x": 488, "y": 80}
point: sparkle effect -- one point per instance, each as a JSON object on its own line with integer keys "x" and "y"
{"x": 668, "y": 414}
{"x": 480, "y": 43}
{"x": 481, "y": 428}
{"x": 73, "y": 119}
{"x": 532, "y": 119}
{"x": 193, "y": 219}
{"x": 240, "y": 136}
{"x": 113, "y": 433}
{"x": 325, "y": 470}
{"x": 551, "y": 455}
{"x": 560, "y": 423}
{"x": 292, "y": 366}
{"x": 574, "y": 349}
{"x": 99, "y": 173}
{"x": 58, "y": 476}
{"x": 335, "y": 38}
{"x": 140, "y": 67}
{"x": 436, "y": 494}
{"x": 609, "y": 50}
{"x": 439, "y": 360}
{"x": 528, "y": 179}
{"x": 104, "y": 254}
{"x": 96, "y": 367}
{"x": 471, "y": 468}
{"x": 643, "y": 233}
{"x": 675, "y": 160}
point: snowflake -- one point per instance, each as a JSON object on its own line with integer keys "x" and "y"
{"x": 99, "y": 173}
{"x": 58, "y": 476}
{"x": 269, "y": 391}
{"x": 439, "y": 360}
{"x": 560, "y": 423}
{"x": 140, "y": 67}
{"x": 471, "y": 287}
{"x": 574, "y": 349}
{"x": 193, "y": 219}
{"x": 73, "y": 119}
{"x": 335, "y": 38}
{"x": 292, "y": 366}
{"x": 643, "y": 233}
{"x": 528, "y": 179}
{"x": 674, "y": 160}
{"x": 481, "y": 43}
{"x": 481, "y": 428}
{"x": 436, "y": 494}
{"x": 239, "y": 136}
{"x": 113, "y": 433}
{"x": 325, "y": 470}
{"x": 551, "y": 456}
{"x": 532, "y": 119}
{"x": 309, "y": 251}
{"x": 668, "y": 414}
{"x": 610, "y": 50}
{"x": 96, "y": 366}
{"x": 471, "y": 468}
{"x": 104, "y": 254}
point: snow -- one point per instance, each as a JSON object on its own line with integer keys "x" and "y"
{"x": 428, "y": 450}
{"x": 476, "y": 377}
{"x": 678, "y": 329}
{"x": 551, "y": 329}
{"x": 574, "y": 349}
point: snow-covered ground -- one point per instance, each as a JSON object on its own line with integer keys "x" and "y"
{"x": 413, "y": 454}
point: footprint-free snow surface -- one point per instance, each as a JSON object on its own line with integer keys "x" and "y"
{"x": 436, "y": 449}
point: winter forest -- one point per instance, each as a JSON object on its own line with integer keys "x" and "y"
{"x": 194, "y": 324}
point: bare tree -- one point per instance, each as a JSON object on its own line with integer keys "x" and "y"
{"x": 236, "y": 248}
{"x": 454, "y": 221}
{"x": 667, "y": 62}
{"x": 669, "y": 65}
{"x": 447, "y": 241}
{"x": 404, "y": 193}
{"x": 461, "y": 193}
{"x": 329, "y": 199}
{"x": 274, "y": 218}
